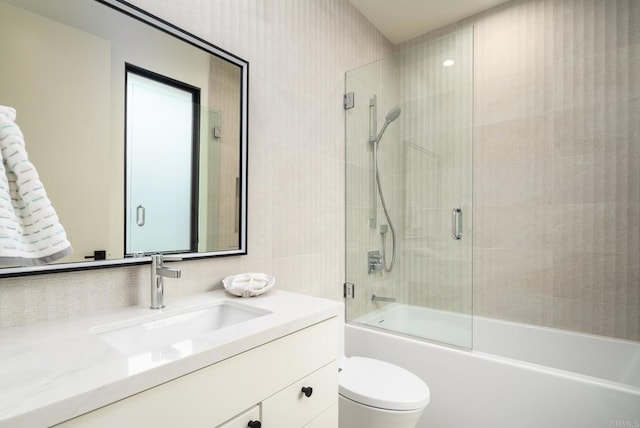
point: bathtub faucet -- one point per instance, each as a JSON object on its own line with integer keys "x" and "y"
{"x": 375, "y": 298}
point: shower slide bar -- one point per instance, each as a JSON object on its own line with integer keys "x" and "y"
{"x": 373, "y": 129}
{"x": 456, "y": 223}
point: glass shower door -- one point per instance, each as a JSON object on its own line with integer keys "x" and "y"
{"x": 424, "y": 169}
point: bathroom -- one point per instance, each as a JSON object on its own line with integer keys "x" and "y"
{"x": 547, "y": 117}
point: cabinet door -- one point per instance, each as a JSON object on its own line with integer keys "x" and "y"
{"x": 243, "y": 420}
{"x": 292, "y": 408}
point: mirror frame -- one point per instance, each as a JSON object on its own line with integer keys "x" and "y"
{"x": 147, "y": 18}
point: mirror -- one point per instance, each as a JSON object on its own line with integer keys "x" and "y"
{"x": 74, "y": 71}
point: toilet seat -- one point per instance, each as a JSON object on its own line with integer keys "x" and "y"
{"x": 383, "y": 385}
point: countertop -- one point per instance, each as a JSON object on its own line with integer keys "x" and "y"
{"x": 51, "y": 372}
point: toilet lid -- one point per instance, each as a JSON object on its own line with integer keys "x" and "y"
{"x": 383, "y": 385}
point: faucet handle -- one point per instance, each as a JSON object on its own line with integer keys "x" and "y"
{"x": 172, "y": 258}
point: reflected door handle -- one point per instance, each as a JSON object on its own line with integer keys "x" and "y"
{"x": 456, "y": 223}
{"x": 140, "y": 215}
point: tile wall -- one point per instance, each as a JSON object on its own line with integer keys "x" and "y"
{"x": 298, "y": 53}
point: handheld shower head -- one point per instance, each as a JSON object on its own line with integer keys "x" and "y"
{"x": 393, "y": 114}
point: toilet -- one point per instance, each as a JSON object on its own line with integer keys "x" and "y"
{"x": 377, "y": 394}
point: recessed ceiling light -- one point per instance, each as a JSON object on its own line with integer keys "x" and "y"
{"x": 448, "y": 62}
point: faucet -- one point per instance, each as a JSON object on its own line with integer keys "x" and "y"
{"x": 158, "y": 273}
{"x": 375, "y": 298}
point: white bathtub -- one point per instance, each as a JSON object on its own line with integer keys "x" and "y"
{"x": 517, "y": 375}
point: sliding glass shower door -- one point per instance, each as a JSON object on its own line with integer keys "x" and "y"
{"x": 409, "y": 174}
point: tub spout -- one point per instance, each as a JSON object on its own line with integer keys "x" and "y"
{"x": 375, "y": 298}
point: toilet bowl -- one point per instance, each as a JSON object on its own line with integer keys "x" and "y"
{"x": 377, "y": 394}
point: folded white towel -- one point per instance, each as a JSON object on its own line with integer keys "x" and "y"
{"x": 248, "y": 284}
{"x": 251, "y": 281}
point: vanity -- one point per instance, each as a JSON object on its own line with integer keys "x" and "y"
{"x": 268, "y": 361}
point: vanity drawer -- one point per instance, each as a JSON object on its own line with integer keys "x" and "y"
{"x": 291, "y": 408}
{"x": 244, "y": 419}
{"x": 328, "y": 419}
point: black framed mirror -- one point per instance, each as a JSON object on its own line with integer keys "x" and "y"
{"x": 67, "y": 80}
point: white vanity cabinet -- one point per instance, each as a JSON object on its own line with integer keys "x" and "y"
{"x": 263, "y": 384}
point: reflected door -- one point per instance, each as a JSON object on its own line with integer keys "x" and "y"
{"x": 162, "y": 142}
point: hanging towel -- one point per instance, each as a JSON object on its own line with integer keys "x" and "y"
{"x": 30, "y": 232}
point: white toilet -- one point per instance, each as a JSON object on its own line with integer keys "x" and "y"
{"x": 377, "y": 394}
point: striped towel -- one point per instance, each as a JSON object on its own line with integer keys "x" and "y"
{"x": 30, "y": 232}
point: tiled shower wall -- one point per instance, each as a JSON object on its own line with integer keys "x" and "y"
{"x": 298, "y": 53}
{"x": 557, "y": 164}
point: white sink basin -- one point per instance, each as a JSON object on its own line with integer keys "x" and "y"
{"x": 158, "y": 331}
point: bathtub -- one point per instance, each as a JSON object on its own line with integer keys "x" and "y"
{"x": 517, "y": 375}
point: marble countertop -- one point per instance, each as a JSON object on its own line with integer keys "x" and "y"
{"x": 51, "y": 372}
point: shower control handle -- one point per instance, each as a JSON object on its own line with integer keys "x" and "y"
{"x": 374, "y": 259}
{"x": 456, "y": 223}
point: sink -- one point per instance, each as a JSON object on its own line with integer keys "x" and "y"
{"x": 159, "y": 331}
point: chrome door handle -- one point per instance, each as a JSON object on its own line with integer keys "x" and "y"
{"x": 456, "y": 223}
{"x": 140, "y": 215}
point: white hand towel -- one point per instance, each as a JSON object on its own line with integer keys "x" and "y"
{"x": 30, "y": 232}
{"x": 248, "y": 284}
{"x": 251, "y": 281}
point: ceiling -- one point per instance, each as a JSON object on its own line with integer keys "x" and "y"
{"x": 401, "y": 20}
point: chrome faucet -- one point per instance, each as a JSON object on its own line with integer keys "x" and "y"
{"x": 375, "y": 298}
{"x": 158, "y": 273}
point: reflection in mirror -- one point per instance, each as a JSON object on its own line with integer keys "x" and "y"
{"x": 67, "y": 79}
{"x": 162, "y": 139}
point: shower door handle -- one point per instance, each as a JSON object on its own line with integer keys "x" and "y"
{"x": 140, "y": 215}
{"x": 456, "y": 223}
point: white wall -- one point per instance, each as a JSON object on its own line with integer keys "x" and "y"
{"x": 298, "y": 51}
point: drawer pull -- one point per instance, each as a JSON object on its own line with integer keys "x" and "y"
{"x": 254, "y": 424}
{"x": 307, "y": 391}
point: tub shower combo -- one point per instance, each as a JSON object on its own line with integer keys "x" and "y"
{"x": 418, "y": 298}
